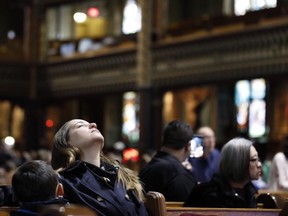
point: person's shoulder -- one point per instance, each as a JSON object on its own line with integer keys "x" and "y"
{"x": 159, "y": 163}
{"x": 216, "y": 184}
{"x": 165, "y": 158}
{"x": 77, "y": 169}
{"x": 209, "y": 186}
{"x": 216, "y": 151}
{"x": 23, "y": 212}
{"x": 162, "y": 165}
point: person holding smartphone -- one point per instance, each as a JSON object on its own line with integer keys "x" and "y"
{"x": 204, "y": 165}
{"x": 231, "y": 186}
{"x": 165, "y": 172}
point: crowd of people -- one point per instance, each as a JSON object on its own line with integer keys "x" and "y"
{"x": 78, "y": 172}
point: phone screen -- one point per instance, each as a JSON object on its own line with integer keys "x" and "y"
{"x": 197, "y": 146}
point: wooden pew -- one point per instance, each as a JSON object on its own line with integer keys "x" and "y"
{"x": 279, "y": 200}
{"x": 265, "y": 199}
{"x": 174, "y": 204}
{"x": 272, "y": 199}
{"x": 5, "y": 210}
{"x": 157, "y": 206}
{"x": 187, "y": 211}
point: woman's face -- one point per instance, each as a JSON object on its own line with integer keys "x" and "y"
{"x": 255, "y": 166}
{"x": 83, "y": 134}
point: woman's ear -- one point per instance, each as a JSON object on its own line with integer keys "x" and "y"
{"x": 59, "y": 190}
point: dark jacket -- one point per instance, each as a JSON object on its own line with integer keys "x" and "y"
{"x": 166, "y": 174}
{"x": 97, "y": 188}
{"x": 33, "y": 208}
{"x": 204, "y": 168}
{"x": 7, "y": 196}
{"x": 218, "y": 193}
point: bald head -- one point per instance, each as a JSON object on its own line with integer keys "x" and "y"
{"x": 209, "y": 139}
{"x": 205, "y": 131}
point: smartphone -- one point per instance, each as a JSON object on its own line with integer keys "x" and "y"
{"x": 197, "y": 146}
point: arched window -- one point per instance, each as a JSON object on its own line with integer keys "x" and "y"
{"x": 243, "y": 6}
{"x": 131, "y": 18}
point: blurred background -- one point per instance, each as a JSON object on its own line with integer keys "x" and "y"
{"x": 132, "y": 66}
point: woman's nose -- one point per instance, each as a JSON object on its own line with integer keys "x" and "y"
{"x": 93, "y": 125}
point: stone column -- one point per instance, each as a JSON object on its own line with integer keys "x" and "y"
{"x": 144, "y": 71}
{"x": 33, "y": 20}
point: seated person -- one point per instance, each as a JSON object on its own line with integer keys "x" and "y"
{"x": 36, "y": 184}
{"x": 231, "y": 187}
{"x": 165, "y": 172}
{"x": 89, "y": 177}
{"x": 205, "y": 166}
{"x": 278, "y": 175}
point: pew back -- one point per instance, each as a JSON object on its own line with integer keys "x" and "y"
{"x": 187, "y": 211}
{"x": 174, "y": 204}
{"x": 272, "y": 199}
{"x": 155, "y": 204}
{"x": 5, "y": 210}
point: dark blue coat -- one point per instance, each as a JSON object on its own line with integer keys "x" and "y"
{"x": 204, "y": 168}
{"x": 166, "y": 174}
{"x": 99, "y": 189}
{"x": 33, "y": 208}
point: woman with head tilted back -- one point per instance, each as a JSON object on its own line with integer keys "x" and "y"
{"x": 89, "y": 177}
{"x": 231, "y": 187}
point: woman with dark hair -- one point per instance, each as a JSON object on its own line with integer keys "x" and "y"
{"x": 231, "y": 187}
{"x": 89, "y": 177}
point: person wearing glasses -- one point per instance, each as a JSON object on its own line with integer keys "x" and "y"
{"x": 231, "y": 186}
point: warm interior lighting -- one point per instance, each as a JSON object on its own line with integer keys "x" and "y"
{"x": 93, "y": 12}
{"x": 49, "y": 123}
{"x": 79, "y": 17}
{"x": 9, "y": 141}
{"x": 130, "y": 154}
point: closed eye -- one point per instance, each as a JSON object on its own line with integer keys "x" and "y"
{"x": 81, "y": 125}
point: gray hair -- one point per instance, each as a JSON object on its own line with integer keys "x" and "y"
{"x": 235, "y": 159}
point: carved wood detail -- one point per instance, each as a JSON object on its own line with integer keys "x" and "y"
{"x": 250, "y": 54}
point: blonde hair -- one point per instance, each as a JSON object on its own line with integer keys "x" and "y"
{"x": 64, "y": 156}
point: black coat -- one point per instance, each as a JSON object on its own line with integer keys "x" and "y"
{"x": 33, "y": 208}
{"x": 166, "y": 174}
{"x": 97, "y": 188}
{"x": 7, "y": 196}
{"x": 218, "y": 193}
